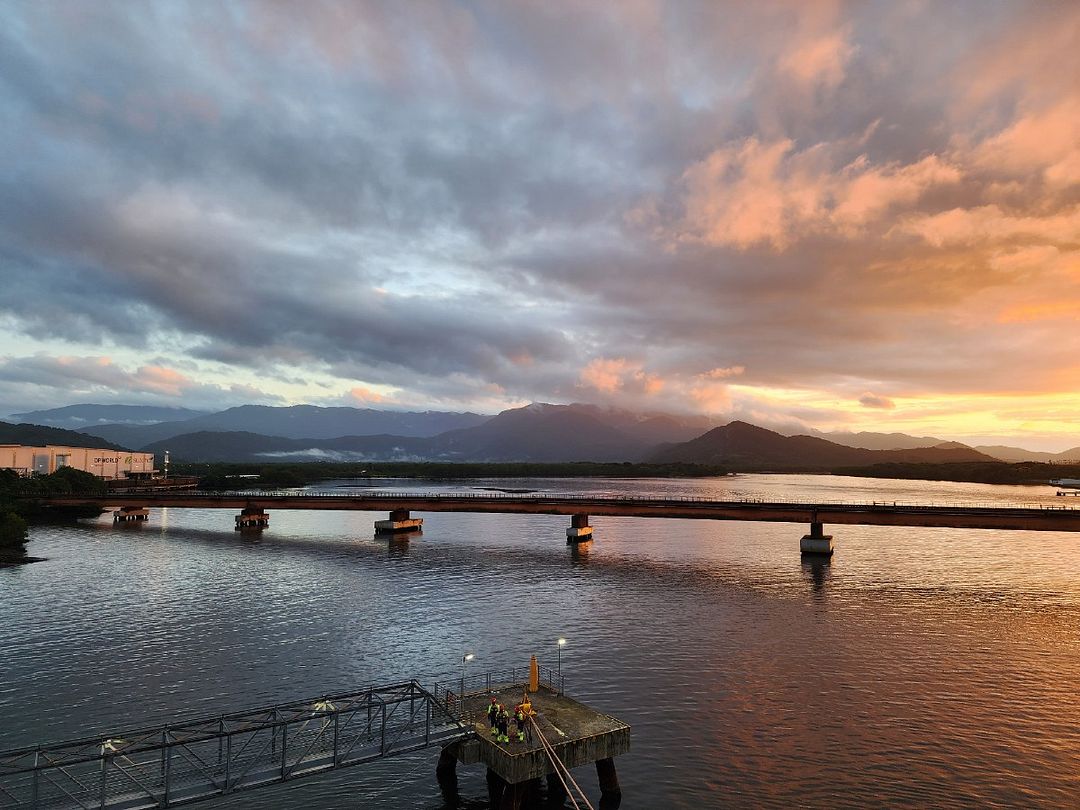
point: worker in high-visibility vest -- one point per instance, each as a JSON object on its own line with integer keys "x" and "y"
{"x": 503, "y": 723}
{"x": 524, "y": 715}
{"x": 493, "y": 712}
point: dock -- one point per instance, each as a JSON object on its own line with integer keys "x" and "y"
{"x": 578, "y": 735}
{"x": 204, "y": 758}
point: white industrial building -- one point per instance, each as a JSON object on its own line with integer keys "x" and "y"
{"x": 109, "y": 464}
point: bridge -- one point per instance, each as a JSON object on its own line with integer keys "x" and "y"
{"x": 254, "y": 506}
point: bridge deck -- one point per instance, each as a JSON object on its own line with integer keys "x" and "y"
{"x": 1028, "y": 517}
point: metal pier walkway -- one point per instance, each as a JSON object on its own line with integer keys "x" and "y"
{"x": 187, "y": 762}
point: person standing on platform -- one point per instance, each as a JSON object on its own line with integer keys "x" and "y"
{"x": 504, "y": 722}
{"x": 526, "y": 714}
{"x": 493, "y": 713}
{"x": 520, "y": 721}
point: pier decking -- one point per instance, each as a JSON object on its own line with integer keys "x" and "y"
{"x": 579, "y": 734}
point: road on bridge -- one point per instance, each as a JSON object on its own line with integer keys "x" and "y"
{"x": 1022, "y": 517}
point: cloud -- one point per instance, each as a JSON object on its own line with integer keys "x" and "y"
{"x": 619, "y": 376}
{"x": 474, "y": 206}
{"x": 819, "y": 61}
{"x": 751, "y": 193}
{"x": 989, "y": 225}
{"x": 869, "y": 400}
{"x": 44, "y": 381}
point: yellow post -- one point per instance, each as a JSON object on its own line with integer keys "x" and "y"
{"x": 534, "y": 675}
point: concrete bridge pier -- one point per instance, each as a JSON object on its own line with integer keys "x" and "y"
{"x": 496, "y": 786}
{"x": 446, "y": 773}
{"x": 252, "y": 517}
{"x": 579, "y": 530}
{"x": 555, "y": 790}
{"x": 817, "y": 542}
{"x": 610, "y": 792}
{"x": 129, "y": 513}
{"x": 399, "y": 523}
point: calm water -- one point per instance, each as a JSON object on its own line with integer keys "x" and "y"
{"x": 933, "y": 667}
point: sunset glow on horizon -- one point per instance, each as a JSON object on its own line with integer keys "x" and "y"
{"x": 823, "y": 215}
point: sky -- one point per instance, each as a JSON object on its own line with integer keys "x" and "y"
{"x": 858, "y": 216}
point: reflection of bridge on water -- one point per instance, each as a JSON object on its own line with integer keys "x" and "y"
{"x": 400, "y": 505}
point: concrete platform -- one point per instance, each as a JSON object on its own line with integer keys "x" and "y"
{"x": 579, "y": 735}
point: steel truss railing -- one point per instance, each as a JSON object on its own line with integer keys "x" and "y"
{"x": 186, "y": 762}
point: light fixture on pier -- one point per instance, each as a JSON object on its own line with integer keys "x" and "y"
{"x": 562, "y": 643}
{"x": 466, "y": 658}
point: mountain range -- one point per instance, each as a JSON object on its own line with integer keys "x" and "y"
{"x": 538, "y": 432}
{"x": 742, "y": 446}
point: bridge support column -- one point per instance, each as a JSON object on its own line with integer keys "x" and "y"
{"x": 496, "y": 786}
{"x": 446, "y": 772}
{"x": 610, "y": 792}
{"x": 579, "y": 530}
{"x": 129, "y": 513}
{"x": 252, "y": 517}
{"x": 520, "y": 795}
{"x": 399, "y": 523}
{"x": 555, "y": 790}
{"x": 817, "y": 542}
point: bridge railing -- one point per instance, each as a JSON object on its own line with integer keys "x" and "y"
{"x": 391, "y": 497}
{"x": 200, "y": 759}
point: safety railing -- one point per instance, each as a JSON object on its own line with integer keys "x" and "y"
{"x": 452, "y": 693}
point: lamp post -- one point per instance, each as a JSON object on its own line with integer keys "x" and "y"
{"x": 562, "y": 643}
{"x": 464, "y": 660}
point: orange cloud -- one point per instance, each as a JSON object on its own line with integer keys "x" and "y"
{"x": 748, "y": 193}
{"x": 1045, "y": 142}
{"x": 988, "y": 224}
{"x": 365, "y": 396}
{"x": 614, "y": 375}
{"x": 162, "y": 380}
{"x": 819, "y": 61}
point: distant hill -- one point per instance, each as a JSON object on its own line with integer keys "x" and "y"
{"x": 300, "y": 422}
{"x": 646, "y": 428}
{"x": 40, "y": 435}
{"x": 244, "y": 446}
{"x": 205, "y": 446}
{"x": 537, "y": 433}
{"x": 1018, "y": 454}
{"x": 85, "y": 417}
{"x": 540, "y": 432}
{"x": 743, "y": 446}
{"x": 879, "y": 441}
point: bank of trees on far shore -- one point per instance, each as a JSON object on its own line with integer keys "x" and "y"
{"x": 280, "y": 476}
{"x": 975, "y": 472}
{"x": 16, "y": 510}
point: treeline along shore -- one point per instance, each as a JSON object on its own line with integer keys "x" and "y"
{"x": 1027, "y": 472}
{"x": 18, "y": 507}
{"x": 225, "y": 475}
